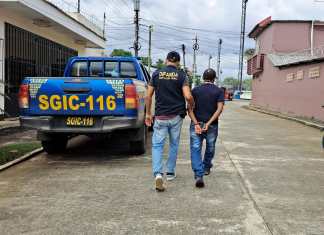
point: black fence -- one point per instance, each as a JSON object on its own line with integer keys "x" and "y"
{"x": 28, "y": 54}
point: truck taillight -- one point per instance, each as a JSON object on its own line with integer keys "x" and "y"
{"x": 24, "y": 96}
{"x": 130, "y": 97}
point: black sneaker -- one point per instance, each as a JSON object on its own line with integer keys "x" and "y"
{"x": 170, "y": 176}
{"x": 200, "y": 183}
{"x": 207, "y": 172}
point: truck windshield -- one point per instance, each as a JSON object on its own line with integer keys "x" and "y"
{"x": 127, "y": 69}
{"x": 95, "y": 68}
{"x": 111, "y": 69}
{"x": 79, "y": 69}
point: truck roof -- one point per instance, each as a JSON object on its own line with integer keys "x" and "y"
{"x": 115, "y": 58}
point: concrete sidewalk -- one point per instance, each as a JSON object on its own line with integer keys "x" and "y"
{"x": 281, "y": 163}
{"x": 268, "y": 179}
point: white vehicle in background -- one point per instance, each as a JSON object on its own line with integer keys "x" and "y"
{"x": 246, "y": 95}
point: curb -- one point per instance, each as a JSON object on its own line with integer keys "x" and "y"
{"x": 304, "y": 122}
{"x": 21, "y": 159}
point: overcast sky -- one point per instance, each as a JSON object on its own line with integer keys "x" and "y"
{"x": 176, "y": 22}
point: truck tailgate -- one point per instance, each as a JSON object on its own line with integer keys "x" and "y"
{"x": 77, "y": 96}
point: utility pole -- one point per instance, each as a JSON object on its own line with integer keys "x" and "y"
{"x": 104, "y": 26}
{"x": 79, "y": 7}
{"x": 209, "y": 59}
{"x": 136, "y": 21}
{"x": 220, "y": 41}
{"x": 184, "y": 56}
{"x": 150, "y": 49}
{"x": 194, "y": 66}
{"x": 241, "y": 62}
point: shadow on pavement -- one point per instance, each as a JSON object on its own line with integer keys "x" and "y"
{"x": 85, "y": 149}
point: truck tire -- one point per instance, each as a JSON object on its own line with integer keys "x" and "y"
{"x": 54, "y": 145}
{"x": 138, "y": 147}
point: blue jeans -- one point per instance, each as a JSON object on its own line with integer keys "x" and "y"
{"x": 196, "y": 141}
{"x": 162, "y": 129}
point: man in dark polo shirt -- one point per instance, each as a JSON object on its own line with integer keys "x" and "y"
{"x": 209, "y": 102}
{"x": 171, "y": 93}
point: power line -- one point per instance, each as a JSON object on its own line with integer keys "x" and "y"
{"x": 192, "y": 28}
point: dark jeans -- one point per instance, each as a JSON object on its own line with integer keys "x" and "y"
{"x": 198, "y": 164}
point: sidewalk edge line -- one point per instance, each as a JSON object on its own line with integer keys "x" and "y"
{"x": 247, "y": 190}
{"x": 282, "y": 116}
{"x": 21, "y": 159}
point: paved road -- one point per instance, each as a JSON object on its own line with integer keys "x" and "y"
{"x": 268, "y": 180}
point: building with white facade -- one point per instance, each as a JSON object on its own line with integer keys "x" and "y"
{"x": 37, "y": 37}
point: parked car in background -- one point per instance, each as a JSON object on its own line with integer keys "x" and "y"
{"x": 237, "y": 94}
{"x": 246, "y": 95}
{"x": 228, "y": 94}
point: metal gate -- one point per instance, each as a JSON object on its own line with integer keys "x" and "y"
{"x": 29, "y": 55}
{"x": 2, "y": 83}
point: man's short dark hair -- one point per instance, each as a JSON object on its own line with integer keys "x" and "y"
{"x": 173, "y": 57}
{"x": 209, "y": 75}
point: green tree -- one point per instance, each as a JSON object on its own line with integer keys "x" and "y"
{"x": 247, "y": 84}
{"x": 231, "y": 82}
{"x": 121, "y": 52}
{"x": 159, "y": 64}
{"x": 249, "y": 53}
{"x": 145, "y": 61}
{"x": 197, "y": 80}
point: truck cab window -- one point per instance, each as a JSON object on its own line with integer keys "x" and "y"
{"x": 96, "y": 68}
{"x": 79, "y": 69}
{"x": 127, "y": 69}
{"x": 111, "y": 69}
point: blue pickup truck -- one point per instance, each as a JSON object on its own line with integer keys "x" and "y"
{"x": 96, "y": 96}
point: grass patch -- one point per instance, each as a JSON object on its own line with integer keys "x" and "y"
{"x": 13, "y": 151}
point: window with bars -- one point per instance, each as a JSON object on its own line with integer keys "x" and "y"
{"x": 28, "y": 54}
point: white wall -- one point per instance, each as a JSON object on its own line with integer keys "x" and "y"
{"x": 93, "y": 52}
{"x": 47, "y": 32}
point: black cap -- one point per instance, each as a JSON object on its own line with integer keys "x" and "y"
{"x": 173, "y": 56}
{"x": 209, "y": 75}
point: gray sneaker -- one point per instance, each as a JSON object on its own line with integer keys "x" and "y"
{"x": 159, "y": 186}
{"x": 170, "y": 176}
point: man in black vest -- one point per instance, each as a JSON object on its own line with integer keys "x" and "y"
{"x": 172, "y": 90}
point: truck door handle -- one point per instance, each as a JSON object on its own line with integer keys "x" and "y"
{"x": 78, "y": 90}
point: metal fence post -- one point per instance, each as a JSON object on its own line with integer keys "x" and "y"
{"x": 2, "y": 78}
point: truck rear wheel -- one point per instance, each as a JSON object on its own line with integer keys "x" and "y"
{"x": 54, "y": 145}
{"x": 138, "y": 146}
